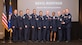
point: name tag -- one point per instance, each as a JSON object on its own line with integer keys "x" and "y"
{"x": 69, "y": 17}
{"x": 42, "y": 18}
{"x": 23, "y": 17}
{"x": 53, "y": 17}
{"x": 60, "y": 19}
{"x": 37, "y": 19}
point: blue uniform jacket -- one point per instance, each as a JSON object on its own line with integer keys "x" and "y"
{"x": 59, "y": 20}
{"x": 26, "y": 20}
{"x": 46, "y": 21}
{"x": 14, "y": 21}
{"x": 54, "y": 23}
{"x": 33, "y": 20}
{"x": 68, "y": 20}
{"x": 40, "y": 21}
{"x": 20, "y": 22}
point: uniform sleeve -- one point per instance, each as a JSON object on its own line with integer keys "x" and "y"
{"x": 18, "y": 22}
{"x": 51, "y": 21}
{"x": 12, "y": 18}
{"x": 44, "y": 20}
{"x": 69, "y": 19}
{"x": 37, "y": 21}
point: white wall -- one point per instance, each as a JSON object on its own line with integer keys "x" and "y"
{"x": 73, "y": 5}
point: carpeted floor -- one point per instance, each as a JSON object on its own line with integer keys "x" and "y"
{"x": 74, "y": 42}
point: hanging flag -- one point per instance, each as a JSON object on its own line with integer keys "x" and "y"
{"x": 4, "y": 21}
{"x": 4, "y": 18}
{"x": 9, "y": 19}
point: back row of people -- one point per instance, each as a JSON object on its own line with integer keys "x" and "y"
{"x": 41, "y": 27}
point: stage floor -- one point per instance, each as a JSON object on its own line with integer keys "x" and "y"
{"x": 73, "y": 42}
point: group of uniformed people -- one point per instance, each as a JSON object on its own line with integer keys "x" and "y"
{"x": 41, "y": 27}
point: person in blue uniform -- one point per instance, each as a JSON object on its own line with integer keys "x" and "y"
{"x": 39, "y": 25}
{"x": 33, "y": 25}
{"x": 14, "y": 25}
{"x": 46, "y": 31}
{"x": 63, "y": 25}
{"x": 59, "y": 28}
{"x": 26, "y": 20}
{"x": 54, "y": 27}
{"x": 21, "y": 26}
{"x": 68, "y": 17}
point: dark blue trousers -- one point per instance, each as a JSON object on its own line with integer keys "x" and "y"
{"x": 64, "y": 32}
{"x": 21, "y": 35}
{"x": 48, "y": 34}
{"x": 39, "y": 35}
{"x": 15, "y": 34}
{"x": 34, "y": 34}
{"x": 68, "y": 31}
{"x": 26, "y": 33}
{"x": 60, "y": 35}
{"x": 44, "y": 34}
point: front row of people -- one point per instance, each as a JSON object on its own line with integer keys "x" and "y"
{"x": 41, "y": 28}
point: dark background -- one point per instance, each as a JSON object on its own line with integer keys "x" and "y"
{"x": 76, "y": 32}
